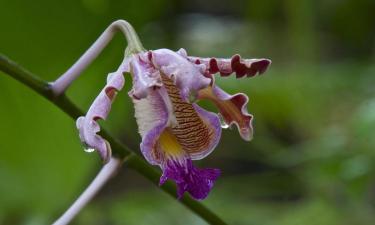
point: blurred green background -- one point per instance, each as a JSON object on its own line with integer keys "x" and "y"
{"x": 312, "y": 160}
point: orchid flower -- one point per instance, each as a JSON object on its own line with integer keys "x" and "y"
{"x": 167, "y": 85}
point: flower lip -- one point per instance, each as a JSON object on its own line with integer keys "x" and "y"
{"x": 198, "y": 182}
{"x": 196, "y": 129}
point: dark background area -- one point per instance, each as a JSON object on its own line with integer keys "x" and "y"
{"x": 312, "y": 157}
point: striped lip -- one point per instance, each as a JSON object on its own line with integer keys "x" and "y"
{"x": 194, "y": 133}
{"x": 176, "y": 132}
{"x": 174, "y": 127}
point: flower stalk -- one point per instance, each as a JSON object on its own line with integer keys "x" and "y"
{"x": 134, "y": 46}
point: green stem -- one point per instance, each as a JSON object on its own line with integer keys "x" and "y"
{"x": 119, "y": 150}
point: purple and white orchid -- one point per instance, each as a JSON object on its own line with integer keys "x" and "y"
{"x": 175, "y": 130}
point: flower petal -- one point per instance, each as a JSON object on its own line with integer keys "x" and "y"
{"x": 241, "y": 67}
{"x": 212, "y": 122}
{"x": 233, "y": 109}
{"x": 187, "y": 76}
{"x": 195, "y": 129}
{"x": 152, "y": 118}
{"x": 88, "y": 126}
{"x": 198, "y": 134}
{"x": 198, "y": 182}
{"x": 144, "y": 76}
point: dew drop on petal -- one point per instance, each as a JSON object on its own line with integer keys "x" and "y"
{"x": 88, "y": 149}
{"x": 224, "y": 125}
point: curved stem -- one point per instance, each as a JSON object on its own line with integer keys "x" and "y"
{"x": 134, "y": 46}
{"x": 118, "y": 149}
{"x": 107, "y": 172}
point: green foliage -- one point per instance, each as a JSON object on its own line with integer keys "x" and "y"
{"x": 311, "y": 161}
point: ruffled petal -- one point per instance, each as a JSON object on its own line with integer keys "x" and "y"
{"x": 241, "y": 67}
{"x": 198, "y": 182}
{"x": 232, "y": 108}
{"x": 88, "y": 126}
{"x": 187, "y": 76}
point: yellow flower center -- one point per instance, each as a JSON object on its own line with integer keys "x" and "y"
{"x": 169, "y": 143}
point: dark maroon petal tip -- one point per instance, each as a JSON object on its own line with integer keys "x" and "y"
{"x": 261, "y": 66}
{"x": 213, "y": 67}
{"x": 241, "y": 67}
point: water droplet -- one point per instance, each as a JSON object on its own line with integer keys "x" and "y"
{"x": 88, "y": 149}
{"x": 224, "y": 125}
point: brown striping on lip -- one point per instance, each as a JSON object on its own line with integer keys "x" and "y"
{"x": 191, "y": 131}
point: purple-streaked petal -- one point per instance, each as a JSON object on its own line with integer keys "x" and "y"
{"x": 241, "y": 67}
{"x": 88, "y": 126}
{"x": 187, "y": 76}
{"x": 232, "y": 108}
{"x": 198, "y": 182}
{"x": 152, "y": 118}
{"x": 196, "y": 130}
{"x": 212, "y": 121}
